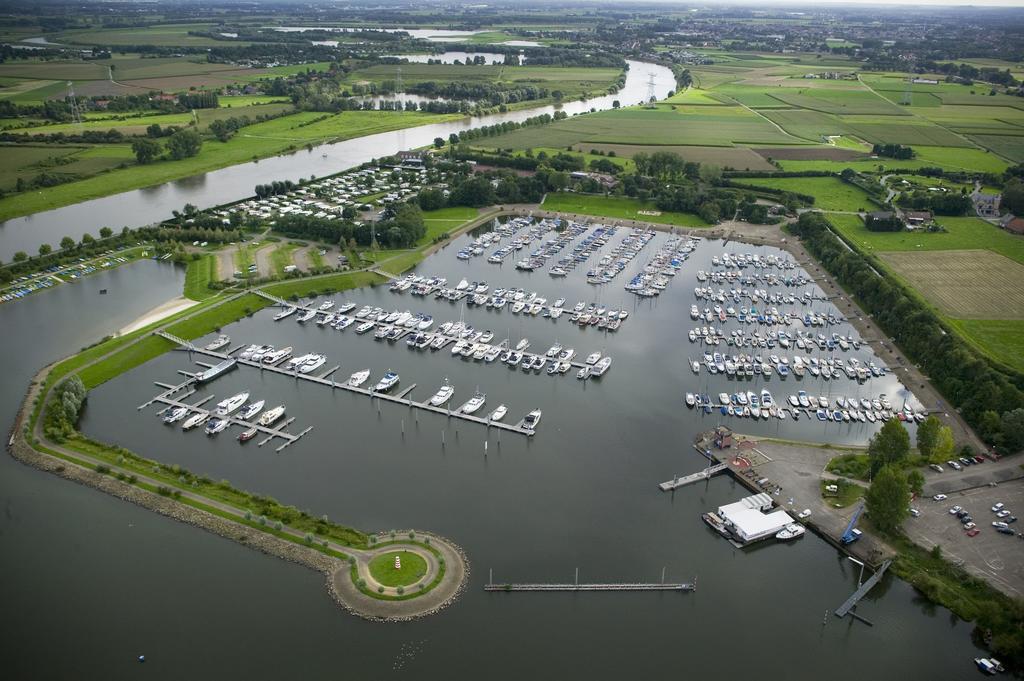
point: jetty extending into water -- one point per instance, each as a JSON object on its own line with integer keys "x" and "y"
{"x": 861, "y": 592}
{"x": 326, "y": 379}
{"x": 681, "y": 481}
{"x": 638, "y": 586}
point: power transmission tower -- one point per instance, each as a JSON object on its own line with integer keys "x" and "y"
{"x": 76, "y": 113}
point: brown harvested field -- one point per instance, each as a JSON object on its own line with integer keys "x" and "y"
{"x": 811, "y": 154}
{"x": 739, "y": 158}
{"x": 974, "y": 284}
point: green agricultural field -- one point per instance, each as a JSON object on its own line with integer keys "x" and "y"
{"x": 966, "y": 159}
{"x": 1000, "y": 339}
{"x": 693, "y": 96}
{"x": 167, "y": 35}
{"x": 1004, "y": 145}
{"x": 830, "y": 193}
{"x": 67, "y": 162}
{"x": 838, "y": 101}
{"x": 697, "y": 125}
{"x": 236, "y": 101}
{"x": 199, "y": 275}
{"x": 961, "y": 234}
{"x": 619, "y": 208}
{"x": 726, "y": 157}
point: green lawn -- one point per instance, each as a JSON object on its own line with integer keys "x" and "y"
{"x": 1000, "y": 339}
{"x": 445, "y": 220}
{"x": 281, "y": 257}
{"x": 216, "y": 317}
{"x": 329, "y": 284}
{"x": 617, "y": 207}
{"x": 830, "y": 193}
{"x": 413, "y": 567}
{"x": 962, "y": 233}
{"x": 198, "y": 277}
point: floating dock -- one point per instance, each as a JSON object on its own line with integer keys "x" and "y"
{"x": 682, "y": 481}
{"x": 170, "y": 398}
{"x": 862, "y": 591}
{"x": 401, "y": 398}
{"x": 639, "y": 586}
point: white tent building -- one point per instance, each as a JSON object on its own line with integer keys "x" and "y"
{"x": 751, "y": 518}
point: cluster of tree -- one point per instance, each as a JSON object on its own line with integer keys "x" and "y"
{"x": 401, "y": 226}
{"x": 63, "y": 408}
{"x": 509, "y": 126}
{"x": 666, "y": 166}
{"x": 489, "y": 93}
{"x": 897, "y": 151}
{"x": 224, "y": 128}
{"x": 967, "y": 72}
{"x": 712, "y": 205}
{"x": 683, "y": 77}
{"x": 883, "y": 223}
{"x": 43, "y": 179}
{"x": 184, "y": 144}
{"x": 940, "y": 203}
{"x": 1013, "y": 196}
{"x": 199, "y": 99}
{"x": 985, "y": 394}
{"x": 274, "y": 188}
{"x": 754, "y": 213}
{"x": 84, "y": 137}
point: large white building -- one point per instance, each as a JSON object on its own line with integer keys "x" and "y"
{"x": 751, "y": 518}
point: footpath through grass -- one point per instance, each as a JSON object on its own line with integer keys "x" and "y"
{"x": 621, "y": 208}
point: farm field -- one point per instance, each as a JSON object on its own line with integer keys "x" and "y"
{"x": 260, "y": 140}
{"x": 697, "y": 125}
{"x": 619, "y": 208}
{"x": 1000, "y": 339}
{"x": 964, "y": 284}
{"x": 830, "y": 193}
{"x": 966, "y": 233}
{"x": 727, "y": 157}
{"x": 26, "y": 162}
{"x": 166, "y": 35}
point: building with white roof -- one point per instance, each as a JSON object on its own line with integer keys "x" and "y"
{"x": 751, "y": 518}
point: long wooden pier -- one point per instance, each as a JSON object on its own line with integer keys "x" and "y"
{"x": 638, "y": 586}
{"x": 681, "y": 481}
{"x": 402, "y": 398}
{"x": 852, "y": 601}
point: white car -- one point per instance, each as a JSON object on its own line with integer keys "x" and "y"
{"x": 1003, "y": 514}
{"x": 999, "y": 523}
{"x": 998, "y": 507}
{"x": 955, "y": 510}
{"x": 914, "y": 512}
{"x": 940, "y": 497}
{"x": 806, "y": 513}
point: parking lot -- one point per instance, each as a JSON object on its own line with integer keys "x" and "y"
{"x": 999, "y": 558}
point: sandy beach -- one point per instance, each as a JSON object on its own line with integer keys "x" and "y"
{"x": 159, "y": 312}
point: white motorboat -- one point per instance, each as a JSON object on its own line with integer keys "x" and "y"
{"x": 532, "y": 419}
{"x": 593, "y": 357}
{"x": 499, "y": 413}
{"x": 474, "y": 403}
{"x": 364, "y": 327}
{"x": 790, "y": 532}
{"x": 287, "y": 312}
{"x": 602, "y": 366}
{"x": 219, "y": 342}
{"x": 358, "y": 378}
{"x": 277, "y": 355}
{"x": 389, "y": 381}
{"x": 690, "y": 400}
{"x": 312, "y": 364}
{"x": 566, "y": 355}
{"x": 326, "y": 305}
{"x": 216, "y": 425}
{"x": 553, "y": 350}
{"x": 251, "y": 410}
{"x": 443, "y": 394}
{"x": 270, "y": 417}
{"x": 195, "y": 420}
{"x": 231, "y": 404}
{"x": 305, "y": 316}
{"x": 583, "y": 374}
{"x": 176, "y": 414}
{"x": 522, "y": 345}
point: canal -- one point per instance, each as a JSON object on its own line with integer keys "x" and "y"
{"x": 92, "y": 582}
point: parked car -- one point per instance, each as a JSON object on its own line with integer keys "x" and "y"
{"x": 965, "y": 461}
{"x": 1003, "y": 514}
{"x": 998, "y": 523}
{"x": 970, "y": 526}
{"x": 966, "y": 519}
{"x": 940, "y": 497}
{"x": 998, "y": 507}
{"x": 1004, "y": 530}
{"x": 936, "y": 467}
{"x": 973, "y": 532}
{"x": 914, "y": 512}
{"x": 955, "y": 510}
{"x": 954, "y": 465}
{"x": 979, "y": 459}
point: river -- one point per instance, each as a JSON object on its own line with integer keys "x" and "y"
{"x": 152, "y": 204}
{"x": 91, "y": 582}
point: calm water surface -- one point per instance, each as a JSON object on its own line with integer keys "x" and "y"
{"x": 110, "y": 581}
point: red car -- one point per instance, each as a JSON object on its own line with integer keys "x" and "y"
{"x": 973, "y": 532}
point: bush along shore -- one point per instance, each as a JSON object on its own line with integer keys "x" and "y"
{"x": 44, "y": 436}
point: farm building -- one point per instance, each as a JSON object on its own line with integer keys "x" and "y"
{"x": 986, "y": 205}
{"x": 1012, "y": 223}
{"x": 917, "y": 218}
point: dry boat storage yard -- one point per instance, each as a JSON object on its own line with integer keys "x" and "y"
{"x": 975, "y": 284}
